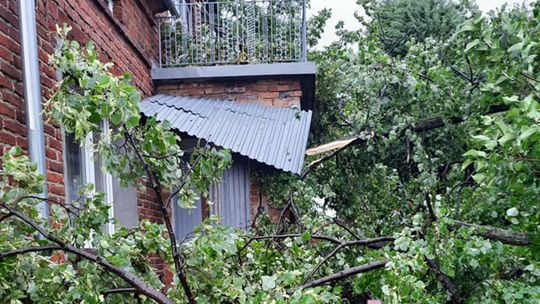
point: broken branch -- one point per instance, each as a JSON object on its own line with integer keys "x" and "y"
{"x": 345, "y": 274}
{"x": 497, "y": 234}
{"x": 125, "y": 275}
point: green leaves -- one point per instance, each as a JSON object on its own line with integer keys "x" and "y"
{"x": 225, "y": 264}
{"x": 268, "y": 283}
{"x": 89, "y": 93}
{"x": 481, "y": 165}
{"x": 102, "y": 110}
{"x": 512, "y": 212}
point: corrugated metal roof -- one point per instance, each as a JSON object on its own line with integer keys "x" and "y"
{"x": 274, "y": 136}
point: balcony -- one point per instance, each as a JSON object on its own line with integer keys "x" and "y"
{"x": 233, "y": 38}
{"x": 232, "y": 32}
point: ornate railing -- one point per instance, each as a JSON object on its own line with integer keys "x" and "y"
{"x": 233, "y": 32}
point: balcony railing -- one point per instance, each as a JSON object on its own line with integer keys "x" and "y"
{"x": 233, "y": 32}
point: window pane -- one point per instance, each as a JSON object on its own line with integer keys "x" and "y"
{"x": 74, "y": 169}
{"x": 125, "y": 205}
{"x": 124, "y": 199}
{"x": 100, "y": 178}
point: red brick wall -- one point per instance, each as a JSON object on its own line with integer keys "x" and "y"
{"x": 139, "y": 22}
{"x": 127, "y": 37}
{"x": 273, "y": 92}
{"x": 129, "y": 46}
{"x": 258, "y": 199}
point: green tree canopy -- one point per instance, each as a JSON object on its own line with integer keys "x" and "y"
{"x": 433, "y": 199}
{"x": 397, "y": 22}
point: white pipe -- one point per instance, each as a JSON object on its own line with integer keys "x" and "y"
{"x": 32, "y": 92}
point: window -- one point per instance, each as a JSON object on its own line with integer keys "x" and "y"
{"x": 83, "y": 166}
{"x": 125, "y": 205}
{"x": 74, "y": 168}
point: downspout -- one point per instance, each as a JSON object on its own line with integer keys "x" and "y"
{"x": 32, "y": 93}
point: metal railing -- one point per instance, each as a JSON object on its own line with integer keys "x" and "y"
{"x": 233, "y": 32}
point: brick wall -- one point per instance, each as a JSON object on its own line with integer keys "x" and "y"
{"x": 127, "y": 37}
{"x": 260, "y": 200}
{"x": 137, "y": 19}
{"x": 129, "y": 47}
{"x": 268, "y": 92}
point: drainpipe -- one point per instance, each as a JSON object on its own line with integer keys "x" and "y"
{"x": 32, "y": 92}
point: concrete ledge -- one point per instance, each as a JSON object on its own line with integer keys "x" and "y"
{"x": 234, "y": 71}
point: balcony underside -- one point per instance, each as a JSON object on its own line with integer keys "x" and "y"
{"x": 247, "y": 71}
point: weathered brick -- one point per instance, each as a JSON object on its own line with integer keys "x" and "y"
{"x": 57, "y": 189}
{"x": 8, "y": 42}
{"x": 7, "y": 110}
{"x": 269, "y": 95}
{"x": 295, "y": 93}
{"x": 6, "y": 54}
{"x": 55, "y": 177}
{"x": 277, "y": 88}
{"x": 55, "y": 166}
{"x": 5, "y": 82}
{"x": 245, "y": 91}
{"x": 51, "y": 153}
{"x": 14, "y": 126}
{"x": 7, "y": 138}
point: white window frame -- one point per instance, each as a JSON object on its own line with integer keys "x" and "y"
{"x": 89, "y": 176}
{"x": 107, "y": 184}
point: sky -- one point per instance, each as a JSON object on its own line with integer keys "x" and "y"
{"x": 344, "y": 10}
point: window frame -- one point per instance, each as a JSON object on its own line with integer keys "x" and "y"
{"x": 88, "y": 166}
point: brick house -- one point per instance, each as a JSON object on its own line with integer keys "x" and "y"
{"x": 237, "y": 68}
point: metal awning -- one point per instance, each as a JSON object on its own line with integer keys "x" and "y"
{"x": 273, "y": 136}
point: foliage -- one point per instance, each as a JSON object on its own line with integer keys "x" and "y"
{"x": 435, "y": 200}
{"x": 397, "y": 22}
{"x": 250, "y": 271}
{"x": 140, "y": 152}
{"x": 72, "y": 259}
{"x": 447, "y": 134}
{"x": 38, "y": 277}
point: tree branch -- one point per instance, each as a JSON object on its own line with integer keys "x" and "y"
{"x": 28, "y": 250}
{"x": 344, "y": 227}
{"x": 5, "y": 216}
{"x": 120, "y": 290}
{"x": 296, "y": 235}
{"x": 156, "y": 187}
{"x": 497, "y": 234}
{"x": 422, "y": 126}
{"x": 321, "y": 160}
{"x": 455, "y": 297}
{"x": 346, "y": 273}
{"x": 365, "y": 242}
{"x": 129, "y": 278}
{"x": 184, "y": 181}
